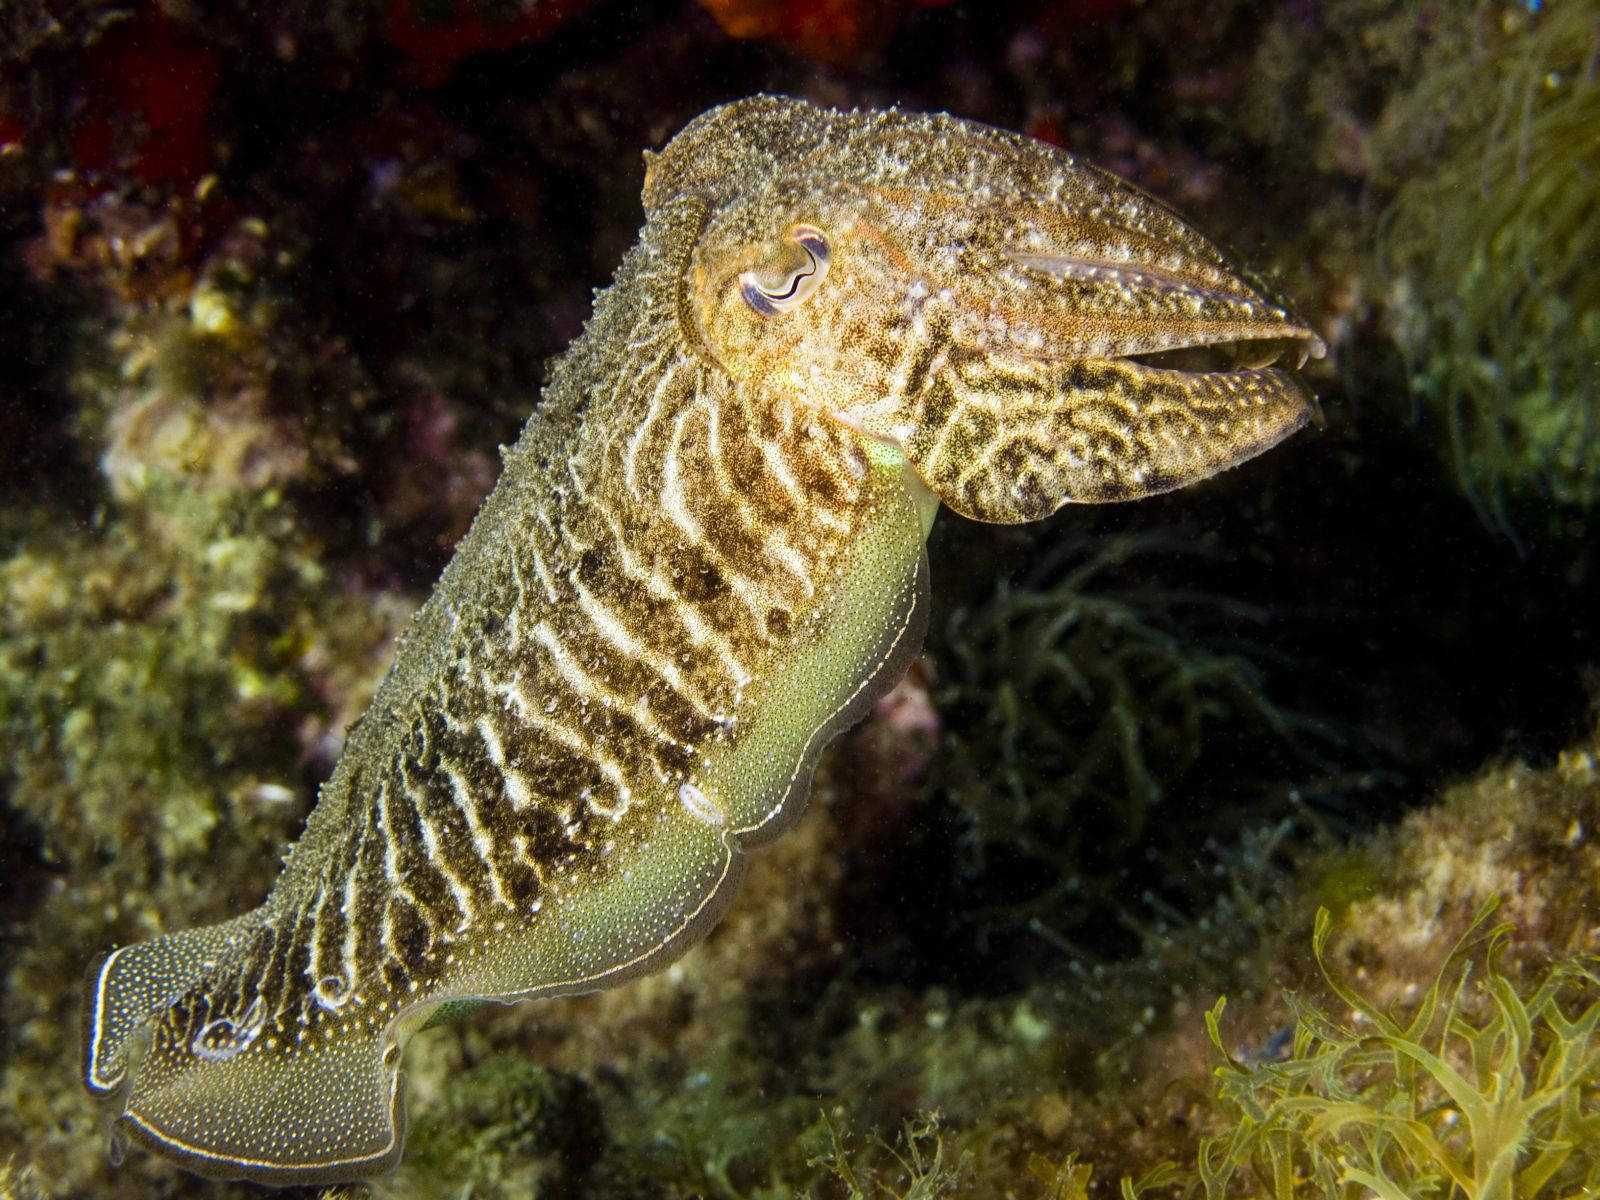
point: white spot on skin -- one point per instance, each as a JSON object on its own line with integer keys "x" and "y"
{"x": 700, "y": 806}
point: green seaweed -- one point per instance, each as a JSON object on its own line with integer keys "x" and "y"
{"x": 151, "y": 667}
{"x": 1489, "y": 252}
{"x": 18, "y": 1182}
{"x": 1093, "y": 698}
{"x": 1070, "y": 1179}
{"x": 506, "y": 1128}
{"x": 1483, "y": 1091}
{"x": 919, "y": 1165}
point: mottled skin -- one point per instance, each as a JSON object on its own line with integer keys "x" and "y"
{"x": 703, "y": 559}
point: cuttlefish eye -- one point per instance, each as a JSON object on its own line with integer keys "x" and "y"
{"x": 777, "y": 292}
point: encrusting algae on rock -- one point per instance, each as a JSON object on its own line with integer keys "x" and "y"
{"x": 704, "y": 559}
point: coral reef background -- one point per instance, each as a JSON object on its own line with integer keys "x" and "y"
{"x": 276, "y": 280}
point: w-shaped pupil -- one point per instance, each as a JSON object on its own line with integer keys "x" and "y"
{"x": 794, "y": 289}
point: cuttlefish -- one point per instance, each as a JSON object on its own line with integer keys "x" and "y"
{"x": 704, "y": 558}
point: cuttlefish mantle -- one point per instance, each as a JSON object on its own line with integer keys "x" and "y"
{"x": 703, "y": 560}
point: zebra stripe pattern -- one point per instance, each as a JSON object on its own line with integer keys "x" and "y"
{"x": 704, "y": 557}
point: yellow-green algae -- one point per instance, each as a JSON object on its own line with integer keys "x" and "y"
{"x": 1490, "y": 249}
{"x": 533, "y": 1131}
{"x": 1476, "y": 1090}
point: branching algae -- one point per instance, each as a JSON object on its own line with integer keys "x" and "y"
{"x": 1483, "y": 1092}
{"x": 704, "y": 558}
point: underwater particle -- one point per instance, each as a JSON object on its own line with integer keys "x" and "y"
{"x": 1490, "y": 253}
{"x": 705, "y": 557}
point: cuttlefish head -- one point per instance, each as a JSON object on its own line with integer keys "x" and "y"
{"x": 1026, "y": 328}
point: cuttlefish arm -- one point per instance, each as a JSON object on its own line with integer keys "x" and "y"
{"x": 704, "y": 558}
{"x": 1027, "y": 329}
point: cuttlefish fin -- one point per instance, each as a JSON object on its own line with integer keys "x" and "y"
{"x": 329, "y": 1109}
{"x": 130, "y": 984}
